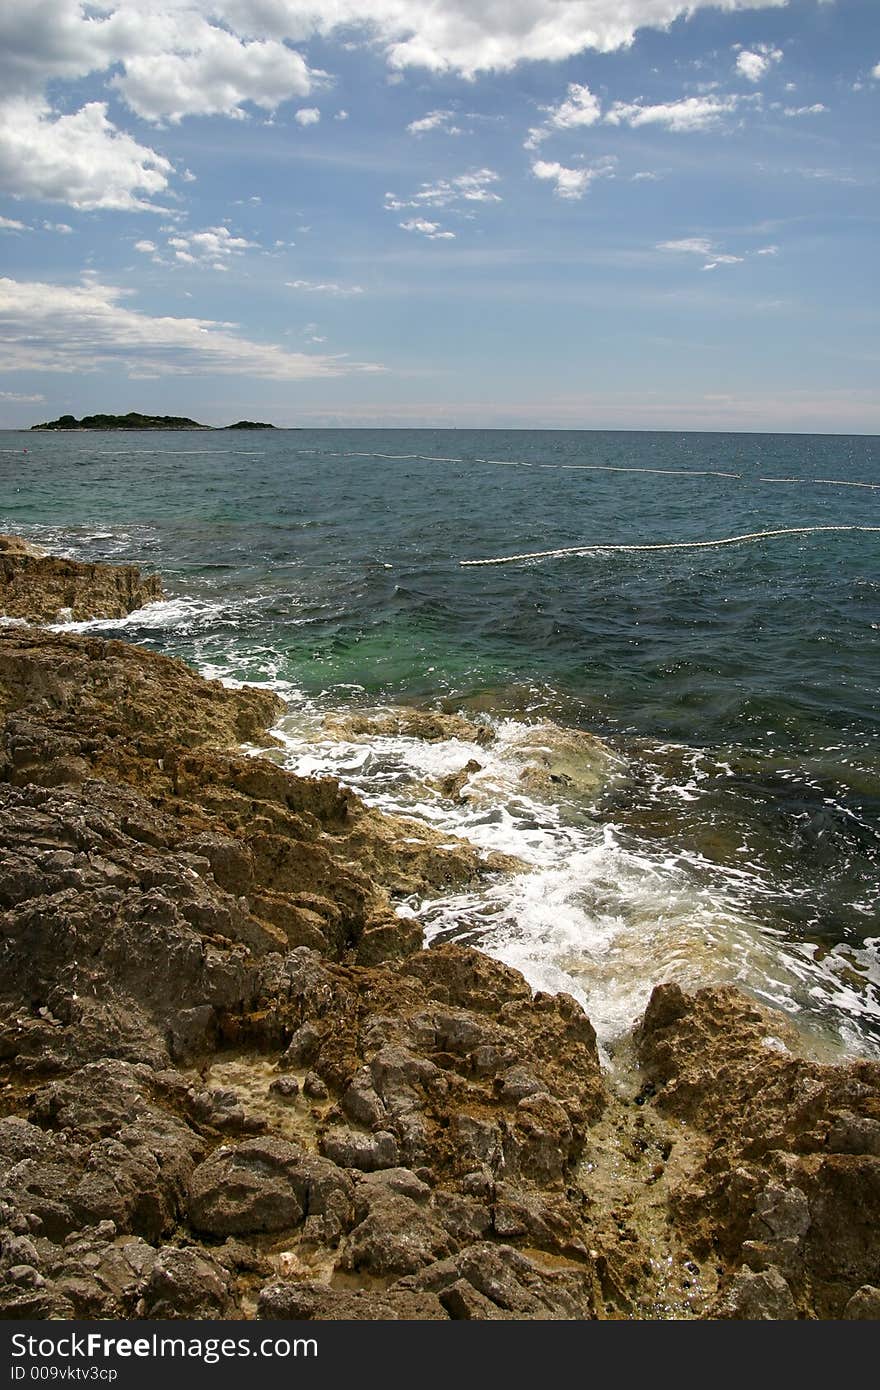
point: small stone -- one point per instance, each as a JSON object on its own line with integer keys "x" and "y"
{"x": 314, "y": 1087}
{"x": 286, "y": 1087}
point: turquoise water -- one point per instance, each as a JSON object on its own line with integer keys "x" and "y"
{"x": 736, "y": 685}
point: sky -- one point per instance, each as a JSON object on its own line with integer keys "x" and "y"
{"x": 578, "y": 214}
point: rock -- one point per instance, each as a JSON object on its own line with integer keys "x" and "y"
{"x": 303, "y": 1047}
{"x": 351, "y": 1149}
{"x": 395, "y": 1235}
{"x": 508, "y": 1282}
{"x": 286, "y": 1087}
{"x": 314, "y": 1087}
{"x": 265, "y": 1185}
{"x": 462, "y": 1301}
{"x": 246, "y": 1190}
{"x": 186, "y": 1283}
{"x": 865, "y": 1303}
{"x": 790, "y": 1182}
{"x": 759, "y": 1297}
{"x": 429, "y": 725}
{"x": 454, "y": 785}
{"x": 41, "y": 588}
{"x": 559, "y": 761}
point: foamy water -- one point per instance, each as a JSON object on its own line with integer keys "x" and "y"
{"x": 599, "y": 913}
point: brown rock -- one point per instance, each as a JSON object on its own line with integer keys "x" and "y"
{"x": 43, "y": 588}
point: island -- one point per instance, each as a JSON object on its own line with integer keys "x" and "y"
{"x": 135, "y": 421}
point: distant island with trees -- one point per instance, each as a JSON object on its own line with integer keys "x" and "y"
{"x": 135, "y": 421}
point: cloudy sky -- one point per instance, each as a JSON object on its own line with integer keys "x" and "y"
{"x": 575, "y": 213}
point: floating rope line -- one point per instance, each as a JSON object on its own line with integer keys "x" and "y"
{"x": 665, "y": 545}
{"x": 589, "y": 468}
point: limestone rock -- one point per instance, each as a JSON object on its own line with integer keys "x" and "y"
{"x": 42, "y": 588}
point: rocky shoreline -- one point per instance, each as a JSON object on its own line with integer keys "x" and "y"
{"x": 233, "y": 1084}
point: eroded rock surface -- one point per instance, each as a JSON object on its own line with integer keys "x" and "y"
{"x": 45, "y": 588}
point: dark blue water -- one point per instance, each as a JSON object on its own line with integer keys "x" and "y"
{"x": 738, "y": 684}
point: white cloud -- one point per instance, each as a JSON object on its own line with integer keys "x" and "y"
{"x": 472, "y": 187}
{"x": 815, "y": 110}
{"x": 86, "y": 327}
{"x": 197, "y": 69}
{"x": 201, "y": 53}
{"x": 80, "y": 159}
{"x": 307, "y": 115}
{"x": 171, "y": 59}
{"x": 686, "y": 114}
{"x": 341, "y": 116}
{"x": 146, "y": 248}
{"x": 472, "y": 36}
{"x": 432, "y": 230}
{"x": 572, "y": 183}
{"x": 755, "y": 63}
{"x": 443, "y": 121}
{"x": 701, "y": 246}
{"x": 323, "y": 287}
{"x": 20, "y": 399}
{"x": 62, "y": 228}
{"x": 9, "y": 224}
{"x": 580, "y": 107}
{"x": 767, "y": 251}
{"x": 875, "y": 71}
{"x": 214, "y": 247}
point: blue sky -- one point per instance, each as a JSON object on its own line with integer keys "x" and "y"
{"x": 575, "y": 213}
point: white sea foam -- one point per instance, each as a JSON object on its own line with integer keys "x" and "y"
{"x": 600, "y": 913}
{"x": 181, "y": 615}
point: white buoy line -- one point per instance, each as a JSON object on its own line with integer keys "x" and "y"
{"x": 587, "y": 467}
{"x": 664, "y": 545}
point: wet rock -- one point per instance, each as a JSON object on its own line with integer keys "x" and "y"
{"x": 267, "y": 1185}
{"x": 559, "y": 760}
{"x": 430, "y": 725}
{"x": 517, "y": 1083}
{"x": 462, "y": 1302}
{"x": 454, "y": 785}
{"x": 400, "y": 1180}
{"x": 314, "y": 1086}
{"x": 362, "y": 1104}
{"x": 285, "y": 1087}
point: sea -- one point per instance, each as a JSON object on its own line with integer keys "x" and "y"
{"x": 707, "y": 606}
